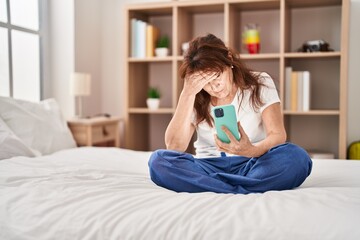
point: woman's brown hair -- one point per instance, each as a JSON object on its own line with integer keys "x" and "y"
{"x": 209, "y": 54}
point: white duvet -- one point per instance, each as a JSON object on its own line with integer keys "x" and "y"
{"x": 106, "y": 193}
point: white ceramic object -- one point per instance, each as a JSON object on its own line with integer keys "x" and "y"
{"x": 161, "y": 52}
{"x": 153, "y": 103}
{"x": 185, "y": 47}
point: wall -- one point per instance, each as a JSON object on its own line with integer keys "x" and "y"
{"x": 112, "y": 57}
{"x": 354, "y": 74}
{"x": 87, "y": 40}
{"x": 59, "y": 54}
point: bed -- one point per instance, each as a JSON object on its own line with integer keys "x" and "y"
{"x": 106, "y": 193}
{"x": 51, "y": 189}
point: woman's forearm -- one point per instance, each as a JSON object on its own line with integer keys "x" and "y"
{"x": 275, "y": 131}
{"x": 272, "y": 140}
{"x": 180, "y": 128}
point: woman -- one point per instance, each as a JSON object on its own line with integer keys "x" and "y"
{"x": 260, "y": 161}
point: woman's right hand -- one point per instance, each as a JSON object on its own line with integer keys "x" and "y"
{"x": 195, "y": 82}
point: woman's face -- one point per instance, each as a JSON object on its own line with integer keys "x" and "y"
{"x": 219, "y": 85}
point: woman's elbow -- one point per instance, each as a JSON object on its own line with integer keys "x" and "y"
{"x": 175, "y": 146}
{"x": 282, "y": 137}
{"x": 278, "y": 137}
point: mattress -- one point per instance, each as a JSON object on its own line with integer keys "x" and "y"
{"x": 106, "y": 193}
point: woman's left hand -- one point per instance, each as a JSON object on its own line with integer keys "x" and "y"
{"x": 242, "y": 147}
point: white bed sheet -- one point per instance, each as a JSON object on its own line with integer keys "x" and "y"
{"x": 106, "y": 193}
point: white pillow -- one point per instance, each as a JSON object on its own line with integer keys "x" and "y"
{"x": 39, "y": 125}
{"x": 11, "y": 145}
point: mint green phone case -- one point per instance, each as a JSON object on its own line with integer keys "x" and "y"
{"x": 225, "y": 115}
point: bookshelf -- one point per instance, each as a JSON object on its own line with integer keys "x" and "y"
{"x": 285, "y": 26}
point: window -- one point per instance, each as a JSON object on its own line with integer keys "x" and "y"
{"x": 20, "y": 73}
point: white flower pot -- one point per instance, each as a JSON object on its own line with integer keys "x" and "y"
{"x": 153, "y": 103}
{"x": 161, "y": 52}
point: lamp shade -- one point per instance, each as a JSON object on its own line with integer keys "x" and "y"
{"x": 80, "y": 84}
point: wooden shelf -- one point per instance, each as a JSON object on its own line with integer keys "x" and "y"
{"x": 312, "y": 3}
{"x": 260, "y": 56}
{"x": 249, "y": 56}
{"x": 313, "y": 112}
{"x": 151, "y": 59}
{"x": 312, "y": 54}
{"x": 202, "y": 7}
{"x": 150, "y": 111}
{"x": 284, "y": 26}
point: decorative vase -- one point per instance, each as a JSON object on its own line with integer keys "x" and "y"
{"x": 161, "y": 52}
{"x": 153, "y": 103}
{"x": 251, "y": 38}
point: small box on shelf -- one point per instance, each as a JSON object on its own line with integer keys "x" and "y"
{"x": 321, "y": 155}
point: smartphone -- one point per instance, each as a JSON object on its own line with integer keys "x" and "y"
{"x": 225, "y": 115}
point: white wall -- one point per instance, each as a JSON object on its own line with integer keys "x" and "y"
{"x": 112, "y": 33}
{"x": 59, "y": 58}
{"x": 87, "y": 40}
{"x": 354, "y": 74}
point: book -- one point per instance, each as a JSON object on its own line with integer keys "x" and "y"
{"x": 297, "y": 90}
{"x": 288, "y": 71}
{"x": 133, "y": 37}
{"x": 294, "y": 91}
{"x": 141, "y": 39}
{"x": 299, "y": 105}
{"x": 152, "y": 34}
{"x": 306, "y": 91}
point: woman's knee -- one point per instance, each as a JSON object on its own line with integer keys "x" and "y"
{"x": 294, "y": 164}
{"x": 156, "y": 159}
{"x": 292, "y": 157}
{"x": 163, "y": 158}
{"x": 299, "y": 155}
{"x": 292, "y": 151}
{"x": 156, "y": 163}
{"x": 299, "y": 161}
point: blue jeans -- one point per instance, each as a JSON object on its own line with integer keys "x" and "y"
{"x": 283, "y": 167}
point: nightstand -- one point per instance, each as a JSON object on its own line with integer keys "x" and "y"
{"x": 95, "y": 131}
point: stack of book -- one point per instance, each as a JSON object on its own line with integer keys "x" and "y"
{"x": 297, "y": 90}
{"x": 143, "y": 38}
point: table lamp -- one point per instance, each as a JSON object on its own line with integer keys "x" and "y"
{"x": 80, "y": 85}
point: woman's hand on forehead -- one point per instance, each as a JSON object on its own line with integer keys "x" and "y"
{"x": 205, "y": 76}
{"x": 195, "y": 82}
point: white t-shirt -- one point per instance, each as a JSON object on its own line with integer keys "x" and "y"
{"x": 250, "y": 119}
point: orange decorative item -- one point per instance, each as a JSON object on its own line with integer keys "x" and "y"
{"x": 251, "y": 38}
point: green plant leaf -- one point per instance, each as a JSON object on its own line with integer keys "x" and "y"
{"x": 153, "y": 93}
{"x": 163, "y": 42}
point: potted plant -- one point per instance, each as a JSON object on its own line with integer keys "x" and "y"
{"x": 153, "y": 100}
{"x": 162, "y": 47}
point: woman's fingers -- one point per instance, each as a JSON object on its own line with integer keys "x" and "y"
{"x": 243, "y": 134}
{"x": 221, "y": 146}
{"x": 237, "y": 147}
{"x": 229, "y": 134}
{"x": 195, "y": 83}
{"x": 241, "y": 130}
{"x": 201, "y": 79}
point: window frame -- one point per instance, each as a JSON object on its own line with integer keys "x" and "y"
{"x": 9, "y": 27}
